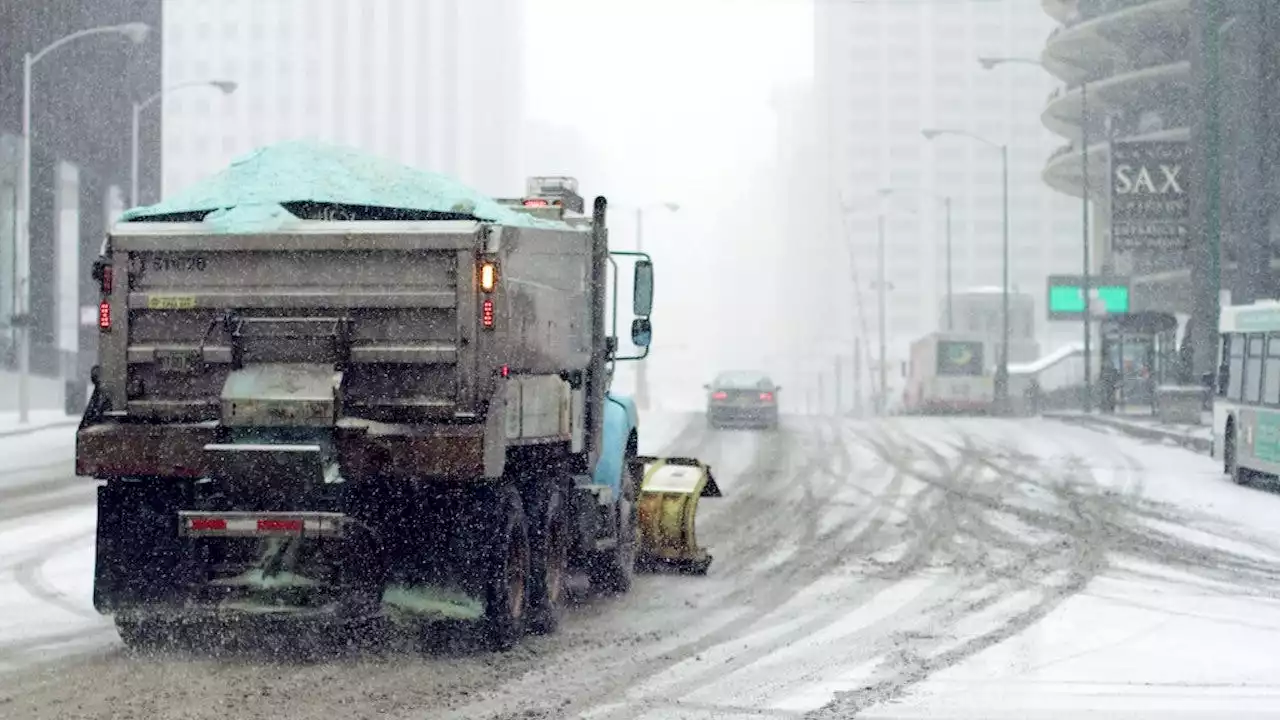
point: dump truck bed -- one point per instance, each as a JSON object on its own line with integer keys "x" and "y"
{"x": 394, "y": 307}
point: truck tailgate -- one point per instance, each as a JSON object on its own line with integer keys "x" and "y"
{"x": 382, "y": 308}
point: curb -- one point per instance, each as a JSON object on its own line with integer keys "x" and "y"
{"x": 1196, "y": 444}
{"x": 18, "y": 432}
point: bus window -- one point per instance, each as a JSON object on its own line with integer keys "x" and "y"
{"x": 1235, "y": 366}
{"x": 1253, "y": 369}
{"x": 1271, "y": 372}
{"x": 959, "y": 358}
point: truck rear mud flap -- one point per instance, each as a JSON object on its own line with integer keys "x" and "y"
{"x": 668, "y": 507}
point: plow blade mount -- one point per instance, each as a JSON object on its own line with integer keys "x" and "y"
{"x": 668, "y": 507}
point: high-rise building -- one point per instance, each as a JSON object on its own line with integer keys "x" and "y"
{"x": 885, "y": 71}
{"x": 80, "y": 127}
{"x": 437, "y": 85}
{"x": 1144, "y": 67}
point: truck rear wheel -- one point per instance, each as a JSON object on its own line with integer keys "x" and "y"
{"x": 549, "y": 562}
{"x": 614, "y": 569}
{"x": 507, "y": 572}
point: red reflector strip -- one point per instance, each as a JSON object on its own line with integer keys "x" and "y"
{"x": 486, "y": 314}
{"x": 206, "y": 524}
{"x": 104, "y": 315}
{"x": 275, "y": 525}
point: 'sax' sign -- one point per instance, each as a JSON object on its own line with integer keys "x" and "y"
{"x": 1150, "y": 209}
{"x": 1138, "y": 180}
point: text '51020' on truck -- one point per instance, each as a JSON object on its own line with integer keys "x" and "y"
{"x": 333, "y": 387}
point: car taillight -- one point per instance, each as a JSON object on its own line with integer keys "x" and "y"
{"x": 719, "y": 395}
{"x": 104, "y": 315}
{"x": 766, "y": 396}
{"x": 486, "y": 313}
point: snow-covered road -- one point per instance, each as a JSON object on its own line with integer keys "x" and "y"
{"x": 909, "y": 568}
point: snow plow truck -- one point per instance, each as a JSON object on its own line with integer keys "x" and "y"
{"x": 333, "y": 387}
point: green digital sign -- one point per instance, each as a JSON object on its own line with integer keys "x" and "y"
{"x": 1069, "y": 301}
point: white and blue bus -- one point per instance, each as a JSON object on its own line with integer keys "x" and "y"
{"x": 1246, "y": 409}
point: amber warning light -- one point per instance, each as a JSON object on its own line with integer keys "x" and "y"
{"x": 488, "y": 276}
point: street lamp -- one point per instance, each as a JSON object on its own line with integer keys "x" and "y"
{"x": 946, "y": 204}
{"x": 642, "y": 377}
{"x": 136, "y": 32}
{"x": 990, "y": 63}
{"x": 1002, "y": 369}
{"x": 226, "y": 86}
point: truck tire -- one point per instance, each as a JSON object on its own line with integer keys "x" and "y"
{"x": 507, "y": 571}
{"x": 548, "y": 561}
{"x": 614, "y": 569}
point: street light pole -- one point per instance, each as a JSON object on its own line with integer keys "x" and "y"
{"x": 226, "y": 86}
{"x": 642, "y": 377}
{"x": 22, "y": 256}
{"x": 1087, "y": 400}
{"x": 950, "y": 295}
{"x": 1002, "y": 372}
{"x": 992, "y": 62}
{"x": 133, "y": 158}
{"x": 883, "y": 396}
{"x": 137, "y": 32}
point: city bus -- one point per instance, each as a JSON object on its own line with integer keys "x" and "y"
{"x": 1246, "y": 408}
{"x": 950, "y": 372}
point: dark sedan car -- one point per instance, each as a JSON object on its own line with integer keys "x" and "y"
{"x": 742, "y": 399}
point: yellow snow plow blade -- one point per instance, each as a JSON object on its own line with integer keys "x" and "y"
{"x": 668, "y": 507}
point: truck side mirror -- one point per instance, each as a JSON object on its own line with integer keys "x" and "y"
{"x": 641, "y": 332}
{"x": 642, "y": 290}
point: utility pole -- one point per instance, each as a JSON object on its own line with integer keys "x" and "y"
{"x": 882, "y": 394}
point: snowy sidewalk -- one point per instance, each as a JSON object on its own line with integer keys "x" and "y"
{"x": 37, "y": 420}
{"x": 1143, "y": 425}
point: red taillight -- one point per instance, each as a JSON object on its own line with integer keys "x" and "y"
{"x": 104, "y": 315}
{"x": 205, "y": 524}
{"x": 766, "y": 396}
{"x": 486, "y": 313}
{"x": 107, "y": 279}
{"x": 536, "y": 202}
{"x": 273, "y": 525}
{"x": 719, "y": 395}
{"x": 506, "y": 371}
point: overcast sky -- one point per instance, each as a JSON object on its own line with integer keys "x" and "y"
{"x": 667, "y": 83}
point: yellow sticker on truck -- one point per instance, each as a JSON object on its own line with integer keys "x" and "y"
{"x": 171, "y": 302}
